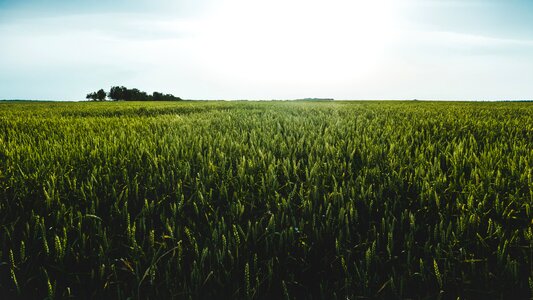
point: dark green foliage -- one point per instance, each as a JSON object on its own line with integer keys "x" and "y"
{"x": 123, "y": 93}
{"x": 101, "y": 94}
{"x": 274, "y": 200}
{"x": 91, "y": 96}
{"x": 97, "y": 96}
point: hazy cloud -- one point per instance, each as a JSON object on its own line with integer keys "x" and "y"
{"x": 267, "y": 49}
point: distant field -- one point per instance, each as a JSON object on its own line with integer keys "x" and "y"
{"x": 266, "y": 200}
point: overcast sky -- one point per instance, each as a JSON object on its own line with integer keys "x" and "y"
{"x": 272, "y": 49}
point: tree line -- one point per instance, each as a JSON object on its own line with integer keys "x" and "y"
{"x": 117, "y": 93}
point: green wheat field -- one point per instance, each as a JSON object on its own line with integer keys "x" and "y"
{"x": 266, "y": 200}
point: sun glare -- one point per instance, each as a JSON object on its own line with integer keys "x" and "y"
{"x": 301, "y": 41}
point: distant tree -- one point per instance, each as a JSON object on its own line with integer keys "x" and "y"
{"x": 170, "y": 97}
{"x": 117, "y": 93}
{"x": 136, "y": 94}
{"x": 157, "y": 96}
{"x": 91, "y": 96}
{"x": 100, "y": 95}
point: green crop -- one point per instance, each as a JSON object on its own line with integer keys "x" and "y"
{"x": 266, "y": 200}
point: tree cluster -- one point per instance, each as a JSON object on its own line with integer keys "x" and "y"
{"x": 97, "y": 96}
{"x": 117, "y": 93}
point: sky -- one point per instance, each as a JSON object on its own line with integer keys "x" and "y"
{"x": 271, "y": 49}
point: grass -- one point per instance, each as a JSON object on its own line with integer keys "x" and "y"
{"x": 294, "y": 200}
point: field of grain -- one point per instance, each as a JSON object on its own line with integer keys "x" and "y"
{"x": 266, "y": 200}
